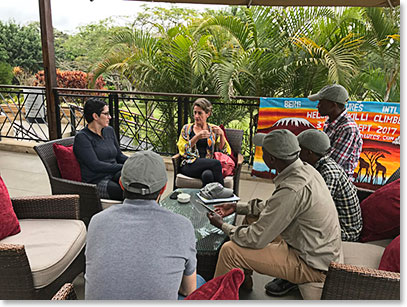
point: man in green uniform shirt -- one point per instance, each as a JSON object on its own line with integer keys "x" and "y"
{"x": 296, "y": 232}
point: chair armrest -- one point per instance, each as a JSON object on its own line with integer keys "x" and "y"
{"x": 176, "y": 162}
{"x": 349, "y": 282}
{"x": 15, "y": 273}
{"x": 70, "y": 184}
{"x": 236, "y": 175}
{"x": 67, "y": 292}
{"x": 239, "y": 159}
{"x": 54, "y": 206}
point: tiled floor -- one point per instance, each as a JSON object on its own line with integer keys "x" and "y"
{"x": 25, "y": 175}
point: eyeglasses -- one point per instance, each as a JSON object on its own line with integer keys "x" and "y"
{"x": 105, "y": 113}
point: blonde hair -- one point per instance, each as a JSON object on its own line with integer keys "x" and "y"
{"x": 204, "y": 104}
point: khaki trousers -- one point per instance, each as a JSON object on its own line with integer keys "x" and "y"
{"x": 277, "y": 259}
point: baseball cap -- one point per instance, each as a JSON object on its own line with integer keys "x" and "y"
{"x": 144, "y": 167}
{"x": 280, "y": 143}
{"x": 314, "y": 140}
{"x": 215, "y": 190}
{"x": 335, "y": 92}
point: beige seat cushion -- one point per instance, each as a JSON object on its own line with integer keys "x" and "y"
{"x": 183, "y": 181}
{"x": 51, "y": 246}
{"x": 362, "y": 254}
{"x": 354, "y": 253}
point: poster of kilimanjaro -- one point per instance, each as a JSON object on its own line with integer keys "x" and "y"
{"x": 379, "y": 124}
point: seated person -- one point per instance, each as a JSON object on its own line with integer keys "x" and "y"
{"x": 197, "y": 143}
{"x": 295, "y": 234}
{"x": 140, "y": 250}
{"x": 315, "y": 145}
{"x": 98, "y": 151}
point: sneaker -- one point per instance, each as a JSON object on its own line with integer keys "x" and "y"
{"x": 279, "y": 287}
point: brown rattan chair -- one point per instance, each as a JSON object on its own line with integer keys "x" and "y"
{"x": 235, "y": 137}
{"x": 16, "y": 276}
{"x": 348, "y": 282}
{"x": 67, "y": 292}
{"x": 90, "y": 202}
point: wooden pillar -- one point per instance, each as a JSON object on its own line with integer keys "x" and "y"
{"x": 48, "y": 56}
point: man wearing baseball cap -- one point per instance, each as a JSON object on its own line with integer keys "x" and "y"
{"x": 342, "y": 130}
{"x": 297, "y": 233}
{"x": 315, "y": 145}
{"x": 139, "y": 250}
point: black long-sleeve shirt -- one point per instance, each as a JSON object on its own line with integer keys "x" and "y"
{"x": 98, "y": 156}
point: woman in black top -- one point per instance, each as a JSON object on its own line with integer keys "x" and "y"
{"x": 98, "y": 151}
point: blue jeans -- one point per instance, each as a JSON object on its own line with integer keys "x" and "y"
{"x": 199, "y": 282}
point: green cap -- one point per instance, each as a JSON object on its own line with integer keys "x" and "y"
{"x": 144, "y": 167}
{"x": 315, "y": 140}
{"x": 280, "y": 143}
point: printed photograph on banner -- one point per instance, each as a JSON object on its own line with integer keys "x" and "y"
{"x": 378, "y": 122}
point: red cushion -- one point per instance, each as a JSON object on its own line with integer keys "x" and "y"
{"x": 381, "y": 213}
{"x": 9, "y": 224}
{"x": 225, "y": 287}
{"x": 391, "y": 257}
{"x": 67, "y": 163}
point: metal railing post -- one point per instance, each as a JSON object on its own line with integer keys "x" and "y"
{"x": 179, "y": 114}
{"x": 116, "y": 117}
{"x": 111, "y": 110}
{"x": 186, "y": 110}
{"x": 72, "y": 119}
{"x": 57, "y": 115}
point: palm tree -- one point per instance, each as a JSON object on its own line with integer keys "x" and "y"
{"x": 383, "y": 43}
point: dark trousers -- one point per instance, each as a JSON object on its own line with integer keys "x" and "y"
{"x": 113, "y": 187}
{"x": 208, "y": 170}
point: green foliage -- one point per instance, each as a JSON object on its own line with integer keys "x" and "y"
{"x": 6, "y": 73}
{"x": 81, "y": 50}
{"x": 21, "y": 45}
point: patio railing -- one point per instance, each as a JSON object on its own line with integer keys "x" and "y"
{"x": 141, "y": 120}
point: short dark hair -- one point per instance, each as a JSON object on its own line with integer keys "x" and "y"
{"x": 131, "y": 195}
{"x": 93, "y": 105}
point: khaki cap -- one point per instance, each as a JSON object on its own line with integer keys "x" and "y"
{"x": 280, "y": 143}
{"x": 315, "y": 140}
{"x": 144, "y": 167}
{"x": 335, "y": 92}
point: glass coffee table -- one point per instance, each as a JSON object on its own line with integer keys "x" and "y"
{"x": 209, "y": 238}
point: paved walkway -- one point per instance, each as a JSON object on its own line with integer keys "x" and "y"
{"x": 25, "y": 175}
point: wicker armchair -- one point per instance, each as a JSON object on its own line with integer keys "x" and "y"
{"x": 67, "y": 292}
{"x": 235, "y": 137}
{"x": 348, "y": 282}
{"x": 17, "y": 278}
{"x": 90, "y": 202}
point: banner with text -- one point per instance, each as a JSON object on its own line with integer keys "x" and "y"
{"x": 379, "y": 124}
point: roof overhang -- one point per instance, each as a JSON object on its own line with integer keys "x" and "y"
{"x": 361, "y": 3}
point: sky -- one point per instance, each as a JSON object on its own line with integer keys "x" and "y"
{"x": 67, "y": 15}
